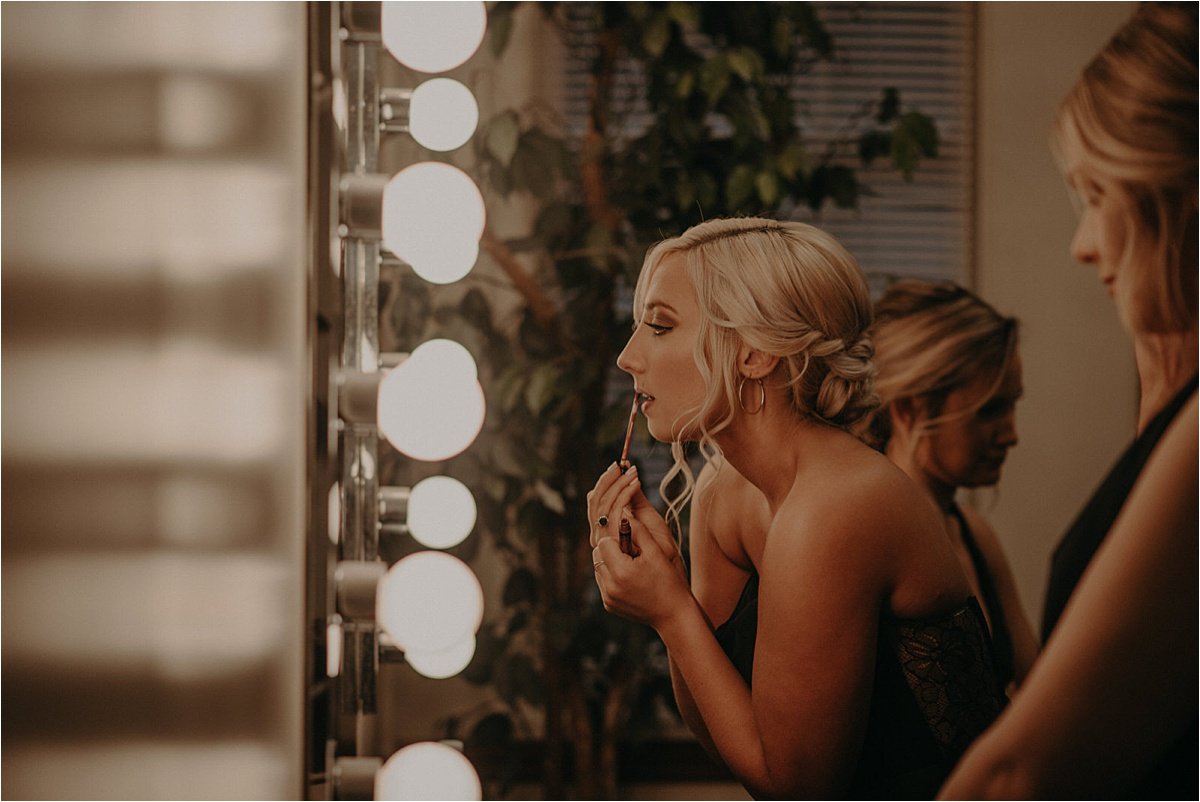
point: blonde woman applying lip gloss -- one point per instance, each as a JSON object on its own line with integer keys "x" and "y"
{"x": 852, "y": 659}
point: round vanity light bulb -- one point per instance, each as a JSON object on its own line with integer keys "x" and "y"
{"x": 427, "y": 770}
{"x": 441, "y": 512}
{"x": 442, "y": 114}
{"x": 443, "y": 664}
{"x": 449, "y": 357}
{"x": 334, "y": 514}
{"x": 431, "y": 406}
{"x": 433, "y": 217}
{"x": 442, "y": 261}
{"x": 432, "y": 36}
{"x": 429, "y": 602}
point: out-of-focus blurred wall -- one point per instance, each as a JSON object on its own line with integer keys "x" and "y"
{"x": 1080, "y": 384}
{"x": 154, "y": 398}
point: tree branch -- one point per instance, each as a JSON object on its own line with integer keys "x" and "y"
{"x": 544, "y": 310}
{"x": 591, "y": 170}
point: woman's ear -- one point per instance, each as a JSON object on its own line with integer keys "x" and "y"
{"x": 754, "y": 364}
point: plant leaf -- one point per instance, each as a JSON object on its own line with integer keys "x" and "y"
{"x": 550, "y": 497}
{"x": 656, "y": 35}
{"x": 476, "y": 310}
{"x": 843, "y": 186}
{"x": 599, "y": 241}
{"x": 767, "y": 185}
{"x": 540, "y": 389}
{"x": 683, "y": 13}
{"x": 740, "y": 63}
{"x": 873, "y": 144}
{"x": 714, "y": 77}
{"x": 739, "y": 186}
{"x": 493, "y": 730}
{"x": 499, "y": 26}
{"x": 889, "y": 106}
{"x": 685, "y": 84}
{"x": 503, "y": 133}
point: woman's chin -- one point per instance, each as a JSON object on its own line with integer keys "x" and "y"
{"x": 660, "y": 433}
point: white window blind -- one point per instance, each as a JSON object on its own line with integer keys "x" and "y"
{"x": 921, "y": 227}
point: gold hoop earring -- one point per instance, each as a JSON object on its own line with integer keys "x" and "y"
{"x": 762, "y": 396}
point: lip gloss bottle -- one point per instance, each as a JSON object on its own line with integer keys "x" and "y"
{"x": 625, "y": 533}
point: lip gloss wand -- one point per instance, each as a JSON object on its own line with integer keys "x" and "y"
{"x": 625, "y": 533}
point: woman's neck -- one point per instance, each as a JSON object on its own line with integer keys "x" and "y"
{"x": 903, "y": 453}
{"x": 770, "y": 449}
{"x": 1165, "y": 363}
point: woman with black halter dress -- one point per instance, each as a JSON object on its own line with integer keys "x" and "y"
{"x": 1110, "y": 706}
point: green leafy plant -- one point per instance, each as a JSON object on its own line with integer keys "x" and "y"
{"x": 717, "y": 136}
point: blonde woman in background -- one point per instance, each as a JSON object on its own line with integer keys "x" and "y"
{"x": 949, "y": 378}
{"x": 853, "y": 660}
{"x": 1110, "y": 707}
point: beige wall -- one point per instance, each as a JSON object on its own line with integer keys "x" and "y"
{"x": 1080, "y": 385}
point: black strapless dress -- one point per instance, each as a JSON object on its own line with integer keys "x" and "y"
{"x": 935, "y": 690}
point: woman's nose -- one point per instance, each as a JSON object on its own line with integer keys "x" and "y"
{"x": 625, "y": 358}
{"x": 1008, "y": 431}
{"x": 1083, "y": 248}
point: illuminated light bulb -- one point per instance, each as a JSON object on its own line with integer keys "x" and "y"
{"x": 333, "y": 647}
{"x": 427, "y": 770}
{"x": 442, "y": 114}
{"x": 443, "y": 664}
{"x": 429, "y": 602}
{"x": 431, "y": 406}
{"x": 442, "y": 262}
{"x": 334, "y": 520}
{"x": 432, "y": 36}
{"x": 433, "y": 217}
{"x": 441, "y": 512}
{"x": 449, "y": 356}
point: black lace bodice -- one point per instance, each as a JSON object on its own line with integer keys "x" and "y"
{"x": 935, "y": 690}
{"x": 948, "y": 666}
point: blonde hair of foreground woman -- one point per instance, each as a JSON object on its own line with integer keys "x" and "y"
{"x": 784, "y": 288}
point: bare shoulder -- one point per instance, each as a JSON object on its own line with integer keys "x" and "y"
{"x": 864, "y": 507}
{"x": 878, "y": 500}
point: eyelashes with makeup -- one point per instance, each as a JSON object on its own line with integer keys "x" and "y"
{"x": 657, "y": 328}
